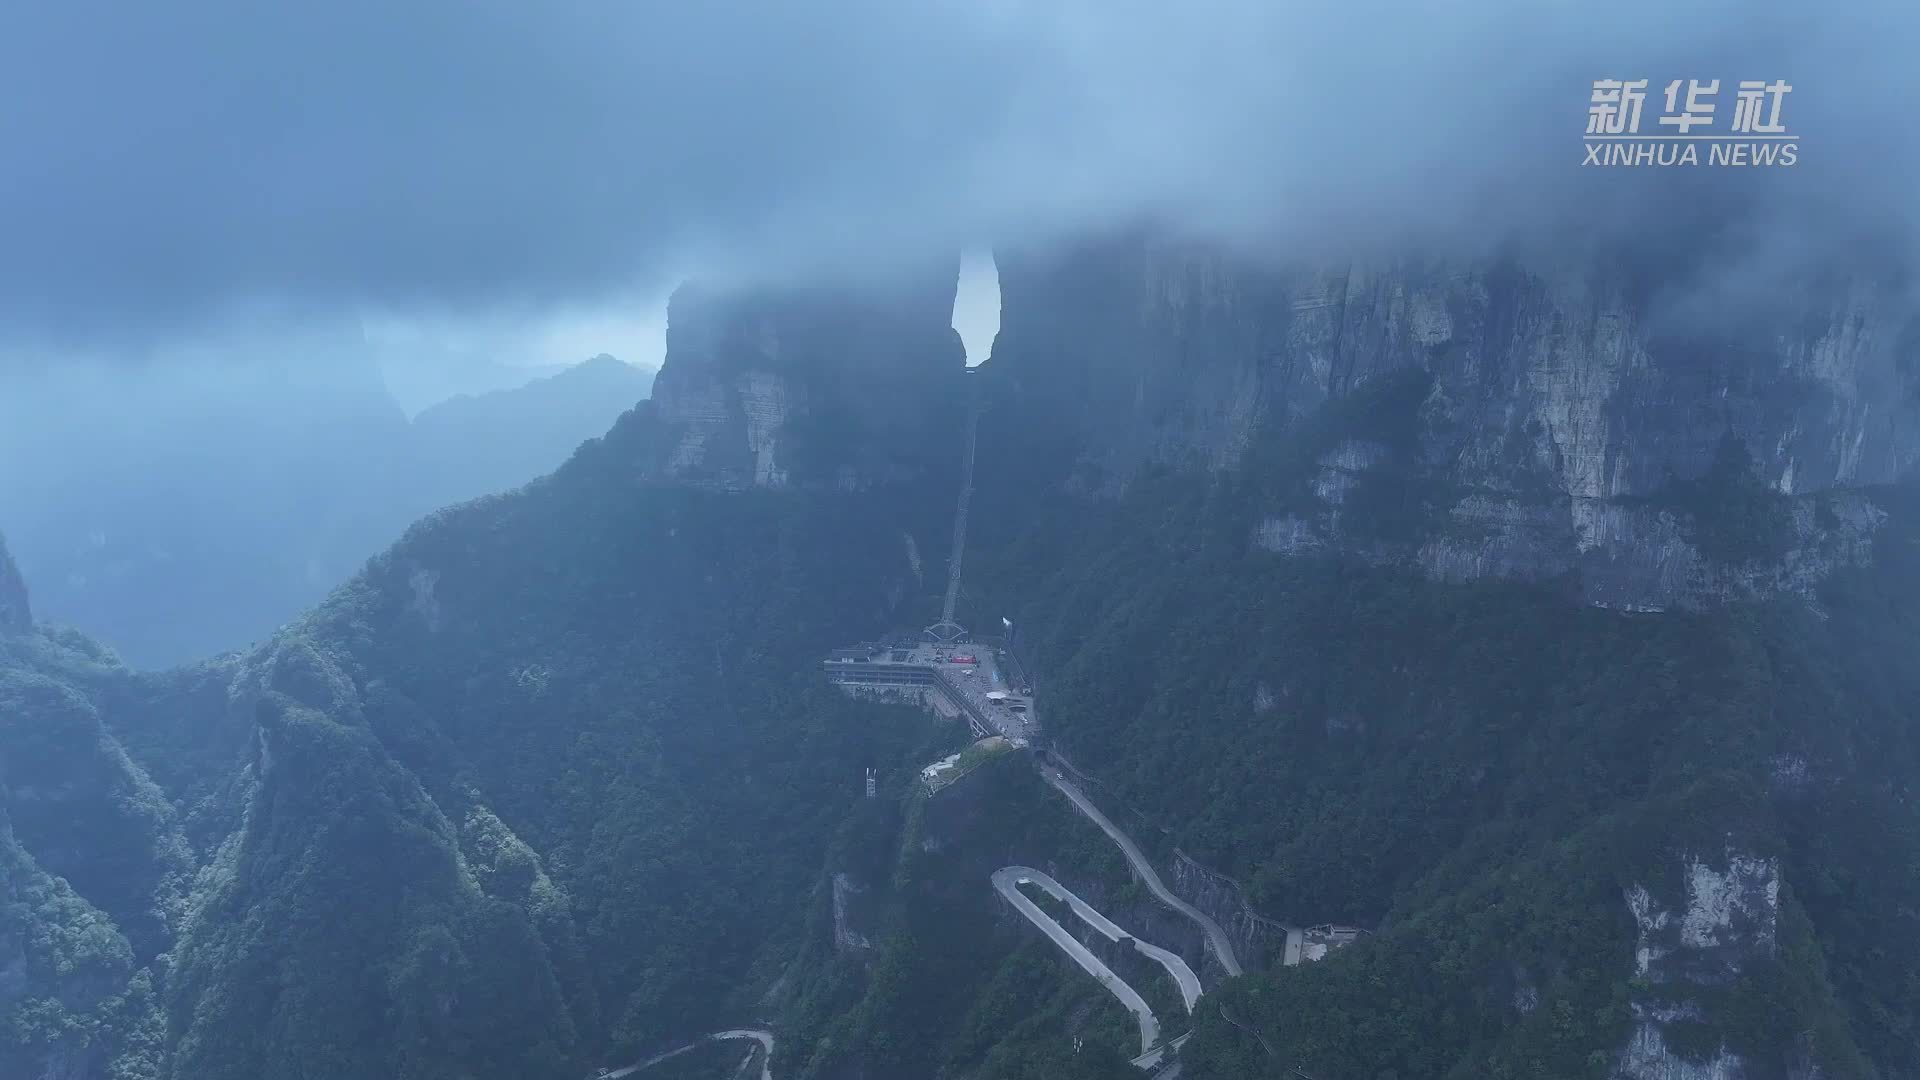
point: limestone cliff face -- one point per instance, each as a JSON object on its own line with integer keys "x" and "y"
{"x": 15, "y": 614}
{"x": 1259, "y": 942}
{"x": 804, "y": 387}
{"x": 1730, "y": 918}
{"x": 1552, "y": 404}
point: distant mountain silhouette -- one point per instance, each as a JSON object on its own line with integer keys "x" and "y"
{"x": 177, "y": 517}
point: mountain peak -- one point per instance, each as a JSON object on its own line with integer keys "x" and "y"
{"x": 789, "y": 385}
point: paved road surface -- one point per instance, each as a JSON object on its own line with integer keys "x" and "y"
{"x": 1182, "y": 974}
{"x": 1143, "y": 869}
{"x": 620, "y": 1074}
{"x": 764, "y": 1038}
{"x": 1152, "y": 1058}
{"x": 1007, "y": 880}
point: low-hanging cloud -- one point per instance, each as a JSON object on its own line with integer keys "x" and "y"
{"x": 168, "y": 164}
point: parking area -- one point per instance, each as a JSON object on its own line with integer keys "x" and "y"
{"x": 976, "y": 672}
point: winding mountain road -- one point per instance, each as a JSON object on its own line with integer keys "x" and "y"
{"x": 1143, "y": 869}
{"x": 1176, "y": 967}
{"x": 764, "y": 1038}
{"x": 1008, "y": 879}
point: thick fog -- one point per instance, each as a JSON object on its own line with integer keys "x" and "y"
{"x": 244, "y": 242}
{"x": 177, "y": 162}
{"x": 193, "y": 503}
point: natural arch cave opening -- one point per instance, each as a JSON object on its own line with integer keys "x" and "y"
{"x": 976, "y": 305}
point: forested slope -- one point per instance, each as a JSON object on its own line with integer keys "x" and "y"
{"x": 541, "y": 786}
{"x": 555, "y": 781}
{"x": 1491, "y": 777}
{"x": 212, "y": 505}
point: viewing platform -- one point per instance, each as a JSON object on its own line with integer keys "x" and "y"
{"x": 954, "y": 678}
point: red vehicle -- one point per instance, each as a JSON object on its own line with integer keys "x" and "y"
{"x": 966, "y": 660}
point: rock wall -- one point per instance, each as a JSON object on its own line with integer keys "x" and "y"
{"x": 1556, "y": 400}
{"x": 1730, "y": 917}
{"x": 15, "y": 613}
{"x": 850, "y": 917}
{"x": 792, "y": 386}
{"x": 1579, "y": 380}
{"x": 1258, "y": 941}
{"x": 1631, "y": 555}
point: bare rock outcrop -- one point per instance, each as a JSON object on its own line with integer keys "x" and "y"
{"x": 1532, "y": 422}
{"x": 789, "y": 386}
{"x": 16, "y": 614}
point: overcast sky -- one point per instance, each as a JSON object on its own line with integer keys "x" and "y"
{"x": 534, "y": 176}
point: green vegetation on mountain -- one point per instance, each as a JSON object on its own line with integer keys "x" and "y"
{"x": 545, "y": 787}
{"x": 555, "y": 783}
{"x": 211, "y": 504}
{"x": 1482, "y": 772}
{"x": 92, "y": 872}
{"x": 957, "y": 984}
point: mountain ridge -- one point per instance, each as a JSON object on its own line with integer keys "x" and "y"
{"x": 572, "y": 740}
{"x": 204, "y": 512}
